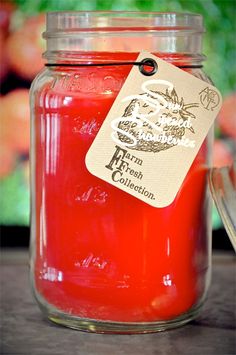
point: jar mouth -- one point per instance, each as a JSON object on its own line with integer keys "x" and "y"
{"x": 118, "y": 31}
{"x": 119, "y": 21}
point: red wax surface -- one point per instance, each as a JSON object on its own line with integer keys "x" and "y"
{"x": 100, "y": 252}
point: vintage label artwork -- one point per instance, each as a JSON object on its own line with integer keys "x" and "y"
{"x": 153, "y": 132}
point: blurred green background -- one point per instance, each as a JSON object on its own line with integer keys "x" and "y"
{"x": 21, "y": 24}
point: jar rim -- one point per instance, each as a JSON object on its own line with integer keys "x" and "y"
{"x": 63, "y": 21}
{"x": 123, "y": 31}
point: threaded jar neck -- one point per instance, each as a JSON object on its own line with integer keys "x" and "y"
{"x": 127, "y": 32}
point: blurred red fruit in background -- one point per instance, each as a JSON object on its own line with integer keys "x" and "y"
{"x": 15, "y": 121}
{"x": 25, "y": 47}
{"x": 3, "y": 57}
{"x": 227, "y": 116}
{"x": 6, "y": 9}
{"x": 222, "y": 155}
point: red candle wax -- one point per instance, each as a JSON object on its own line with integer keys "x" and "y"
{"x": 100, "y": 252}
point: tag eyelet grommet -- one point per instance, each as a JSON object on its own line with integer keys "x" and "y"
{"x": 151, "y": 63}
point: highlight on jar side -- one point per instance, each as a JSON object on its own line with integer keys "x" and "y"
{"x": 102, "y": 260}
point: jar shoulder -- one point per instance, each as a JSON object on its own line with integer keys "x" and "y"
{"x": 40, "y": 80}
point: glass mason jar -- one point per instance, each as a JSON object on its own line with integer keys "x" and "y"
{"x": 102, "y": 260}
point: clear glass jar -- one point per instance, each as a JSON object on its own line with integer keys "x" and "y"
{"x": 102, "y": 260}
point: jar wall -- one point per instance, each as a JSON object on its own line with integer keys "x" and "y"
{"x": 101, "y": 260}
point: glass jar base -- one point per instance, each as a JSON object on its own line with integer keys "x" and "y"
{"x": 111, "y": 327}
{"x": 92, "y": 325}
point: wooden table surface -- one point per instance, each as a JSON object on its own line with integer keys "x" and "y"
{"x": 24, "y": 331}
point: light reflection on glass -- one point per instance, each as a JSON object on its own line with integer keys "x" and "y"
{"x": 52, "y": 142}
{"x": 167, "y": 280}
{"x": 52, "y": 274}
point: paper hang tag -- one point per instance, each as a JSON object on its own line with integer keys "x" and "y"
{"x": 153, "y": 132}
